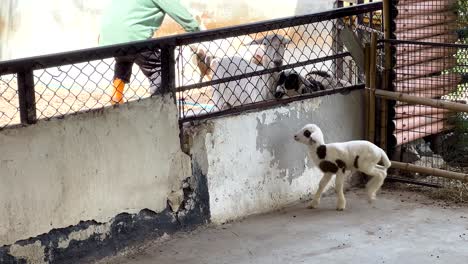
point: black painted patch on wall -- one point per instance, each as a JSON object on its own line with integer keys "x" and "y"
{"x": 126, "y": 229}
{"x": 6, "y": 258}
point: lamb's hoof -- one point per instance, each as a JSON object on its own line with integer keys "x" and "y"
{"x": 313, "y": 205}
{"x": 371, "y": 197}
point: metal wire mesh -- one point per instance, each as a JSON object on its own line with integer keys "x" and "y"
{"x": 314, "y": 52}
{"x": 60, "y": 84}
{"x": 425, "y": 135}
{"x": 428, "y": 63}
{"x": 81, "y": 87}
{"x": 73, "y": 86}
{"x": 428, "y": 21}
{"x": 9, "y": 104}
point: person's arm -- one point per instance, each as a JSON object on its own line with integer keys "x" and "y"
{"x": 179, "y": 13}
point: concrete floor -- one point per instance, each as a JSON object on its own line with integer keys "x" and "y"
{"x": 401, "y": 227}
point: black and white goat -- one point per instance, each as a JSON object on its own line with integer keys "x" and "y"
{"x": 343, "y": 157}
{"x": 291, "y": 83}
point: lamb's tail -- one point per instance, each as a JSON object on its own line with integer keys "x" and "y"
{"x": 385, "y": 160}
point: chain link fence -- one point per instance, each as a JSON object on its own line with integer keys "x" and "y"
{"x": 295, "y": 60}
{"x": 429, "y": 136}
{"x": 429, "y": 61}
{"x": 214, "y": 72}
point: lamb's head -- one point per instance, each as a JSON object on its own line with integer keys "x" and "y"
{"x": 291, "y": 83}
{"x": 310, "y": 135}
{"x": 271, "y": 50}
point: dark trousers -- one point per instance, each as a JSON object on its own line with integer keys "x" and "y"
{"x": 149, "y": 63}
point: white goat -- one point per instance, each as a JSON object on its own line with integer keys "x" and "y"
{"x": 205, "y": 52}
{"x": 337, "y": 158}
{"x": 249, "y": 90}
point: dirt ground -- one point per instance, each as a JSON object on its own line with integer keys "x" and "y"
{"x": 401, "y": 227}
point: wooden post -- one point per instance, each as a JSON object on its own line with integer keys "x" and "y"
{"x": 372, "y": 84}
{"x": 387, "y": 16}
{"x": 367, "y": 90}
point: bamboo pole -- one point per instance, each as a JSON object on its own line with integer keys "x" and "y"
{"x": 417, "y": 110}
{"x": 432, "y": 171}
{"x": 373, "y": 84}
{"x": 458, "y": 107}
{"x": 430, "y": 93}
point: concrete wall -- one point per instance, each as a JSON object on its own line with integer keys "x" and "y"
{"x": 69, "y": 191}
{"x": 90, "y": 167}
{"x": 251, "y": 161}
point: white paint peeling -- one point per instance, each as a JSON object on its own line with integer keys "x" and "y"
{"x": 102, "y": 230}
{"x": 270, "y": 119}
{"x": 253, "y": 164}
{"x": 32, "y": 253}
{"x": 312, "y": 105}
{"x": 89, "y": 166}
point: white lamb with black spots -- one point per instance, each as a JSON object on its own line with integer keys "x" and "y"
{"x": 342, "y": 158}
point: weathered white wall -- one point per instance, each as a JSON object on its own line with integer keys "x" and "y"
{"x": 89, "y": 166}
{"x": 252, "y": 163}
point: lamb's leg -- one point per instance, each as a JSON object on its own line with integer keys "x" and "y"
{"x": 374, "y": 184}
{"x": 339, "y": 185}
{"x": 323, "y": 183}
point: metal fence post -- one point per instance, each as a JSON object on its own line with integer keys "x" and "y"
{"x": 167, "y": 69}
{"x": 27, "y": 98}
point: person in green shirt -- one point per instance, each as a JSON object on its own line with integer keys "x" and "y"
{"x": 133, "y": 20}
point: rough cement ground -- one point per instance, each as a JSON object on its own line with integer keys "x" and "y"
{"x": 402, "y": 227}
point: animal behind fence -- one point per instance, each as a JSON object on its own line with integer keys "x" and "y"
{"x": 210, "y": 72}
